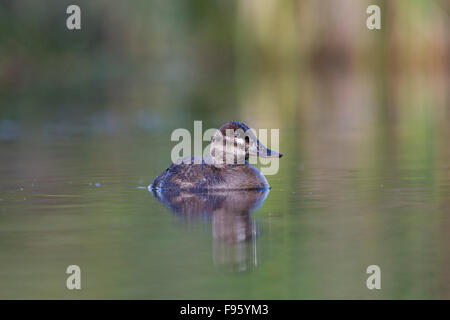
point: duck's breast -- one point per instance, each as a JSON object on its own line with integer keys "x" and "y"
{"x": 245, "y": 177}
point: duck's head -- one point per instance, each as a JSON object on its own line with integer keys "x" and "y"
{"x": 234, "y": 142}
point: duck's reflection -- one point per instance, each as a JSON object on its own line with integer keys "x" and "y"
{"x": 233, "y": 229}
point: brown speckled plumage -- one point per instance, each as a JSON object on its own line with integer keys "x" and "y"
{"x": 207, "y": 176}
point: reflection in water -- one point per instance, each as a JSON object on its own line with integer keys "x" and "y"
{"x": 233, "y": 229}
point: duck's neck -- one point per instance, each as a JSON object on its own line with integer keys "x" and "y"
{"x": 220, "y": 163}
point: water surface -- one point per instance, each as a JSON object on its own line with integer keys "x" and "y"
{"x": 85, "y": 201}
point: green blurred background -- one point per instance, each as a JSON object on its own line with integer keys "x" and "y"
{"x": 363, "y": 118}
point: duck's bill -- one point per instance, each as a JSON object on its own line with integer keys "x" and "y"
{"x": 260, "y": 150}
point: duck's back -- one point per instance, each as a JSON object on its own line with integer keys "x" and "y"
{"x": 204, "y": 176}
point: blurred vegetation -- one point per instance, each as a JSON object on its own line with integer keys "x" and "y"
{"x": 212, "y": 57}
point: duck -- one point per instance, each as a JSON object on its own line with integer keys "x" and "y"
{"x": 227, "y": 167}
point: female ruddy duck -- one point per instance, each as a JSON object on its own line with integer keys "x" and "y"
{"x": 226, "y": 169}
